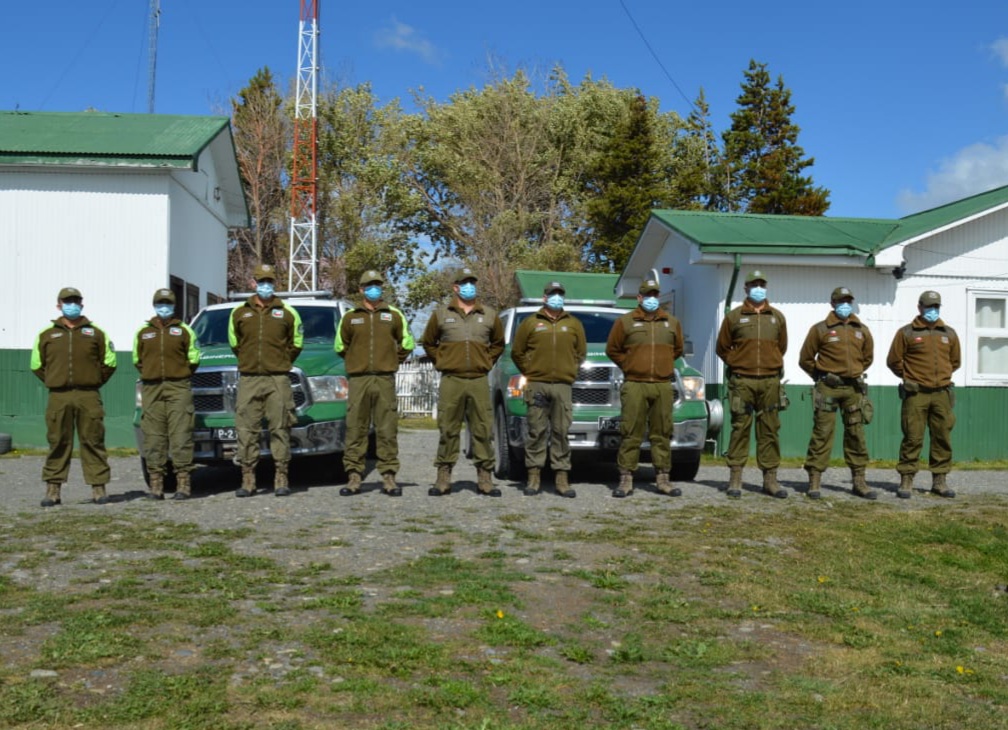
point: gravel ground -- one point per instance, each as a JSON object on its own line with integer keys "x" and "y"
{"x": 315, "y": 498}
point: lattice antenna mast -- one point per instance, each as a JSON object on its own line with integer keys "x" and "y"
{"x": 153, "y": 23}
{"x": 302, "y": 273}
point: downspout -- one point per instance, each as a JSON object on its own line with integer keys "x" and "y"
{"x": 725, "y": 405}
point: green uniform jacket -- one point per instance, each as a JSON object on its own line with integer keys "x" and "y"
{"x": 843, "y": 347}
{"x": 925, "y": 353}
{"x": 73, "y": 357}
{"x": 465, "y": 345}
{"x": 373, "y": 341}
{"x": 751, "y": 342}
{"x": 547, "y": 350}
{"x": 266, "y": 338}
{"x": 646, "y": 345}
{"x": 165, "y": 350}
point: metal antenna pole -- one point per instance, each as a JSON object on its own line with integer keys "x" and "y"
{"x": 154, "y": 21}
{"x": 302, "y": 272}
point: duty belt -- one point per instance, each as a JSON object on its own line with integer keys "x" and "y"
{"x": 924, "y": 389}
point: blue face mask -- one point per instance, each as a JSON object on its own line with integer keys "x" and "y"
{"x": 265, "y": 289}
{"x": 164, "y": 311}
{"x": 649, "y": 304}
{"x": 71, "y": 310}
{"x": 843, "y": 310}
{"x": 555, "y": 301}
{"x": 931, "y": 314}
{"x": 372, "y": 293}
{"x": 467, "y": 291}
{"x": 757, "y": 294}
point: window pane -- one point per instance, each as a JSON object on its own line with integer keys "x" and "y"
{"x": 990, "y": 313}
{"x": 993, "y": 356}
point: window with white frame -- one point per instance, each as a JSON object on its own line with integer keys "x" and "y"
{"x": 989, "y": 335}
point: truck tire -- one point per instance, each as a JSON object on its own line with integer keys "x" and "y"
{"x": 510, "y": 463}
{"x": 686, "y": 469}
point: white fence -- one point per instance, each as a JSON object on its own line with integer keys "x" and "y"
{"x": 417, "y": 388}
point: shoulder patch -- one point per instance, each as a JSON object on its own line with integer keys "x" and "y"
{"x": 175, "y": 331}
{"x": 87, "y": 331}
{"x": 277, "y": 313}
{"x": 386, "y": 316}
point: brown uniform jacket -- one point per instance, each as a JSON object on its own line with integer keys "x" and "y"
{"x": 925, "y": 353}
{"x": 547, "y": 350}
{"x": 465, "y": 345}
{"x": 645, "y": 345}
{"x": 843, "y": 347}
{"x": 266, "y": 339}
{"x": 165, "y": 350}
{"x": 373, "y": 341}
{"x": 73, "y": 357}
{"x": 753, "y": 342}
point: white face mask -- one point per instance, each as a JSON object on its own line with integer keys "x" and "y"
{"x": 757, "y": 294}
{"x": 555, "y": 301}
{"x": 649, "y": 304}
{"x": 265, "y": 289}
{"x": 164, "y": 311}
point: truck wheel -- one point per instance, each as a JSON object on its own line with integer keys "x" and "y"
{"x": 510, "y": 464}
{"x": 685, "y": 470}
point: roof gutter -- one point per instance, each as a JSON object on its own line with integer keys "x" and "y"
{"x": 859, "y": 261}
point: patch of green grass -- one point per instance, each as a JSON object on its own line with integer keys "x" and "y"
{"x": 506, "y": 630}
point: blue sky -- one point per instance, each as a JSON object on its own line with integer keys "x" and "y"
{"x": 903, "y": 106}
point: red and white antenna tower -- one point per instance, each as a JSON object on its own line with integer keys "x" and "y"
{"x": 302, "y": 272}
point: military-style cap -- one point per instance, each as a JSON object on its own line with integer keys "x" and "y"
{"x": 930, "y": 299}
{"x": 756, "y": 275}
{"x": 68, "y": 292}
{"x": 464, "y": 274}
{"x": 841, "y": 292}
{"x": 164, "y": 295}
{"x": 265, "y": 271}
{"x": 649, "y": 285}
{"x": 554, "y": 286}
{"x": 371, "y": 277}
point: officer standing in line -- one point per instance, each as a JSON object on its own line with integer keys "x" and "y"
{"x": 266, "y": 336}
{"x": 836, "y": 353}
{"x": 373, "y": 339}
{"x": 924, "y": 354}
{"x": 464, "y": 339}
{"x": 645, "y": 343}
{"x": 548, "y": 348}
{"x": 752, "y": 342}
{"x": 164, "y": 351}
{"x": 74, "y": 358}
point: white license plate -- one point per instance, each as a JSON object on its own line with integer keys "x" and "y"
{"x": 224, "y": 434}
{"x": 610, "y": 423}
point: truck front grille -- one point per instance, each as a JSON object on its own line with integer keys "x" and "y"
{"x": 215, "y": 390}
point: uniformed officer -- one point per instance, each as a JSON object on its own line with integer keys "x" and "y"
{"x": 924, "y": 354}
{"x": 752, "y": 342}
{"x": 164, "y": 351}
{"x": 373, "y": 339}
{"x": 645, "y": 343}
{"x": 548, "y": 348}
{"x": 836, "y": 353}
{"x": 74, "y": 358}
{"x": 464, "y": 339}
{"x": 266, "y": 336}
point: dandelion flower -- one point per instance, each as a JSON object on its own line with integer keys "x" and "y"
{"x": 500, "y": 614}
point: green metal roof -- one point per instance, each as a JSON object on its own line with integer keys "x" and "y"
{"x": 581, "y": 287}
{"x": 809, "y": 235}
{"x": 96, "y": 138}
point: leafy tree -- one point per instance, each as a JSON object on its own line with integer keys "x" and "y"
{"x": 366, "y": 210}
{"x": 763, "y": 162}
{"x": 696, "y": 159}
{"x": 627, "y": 179}
{"x": 261, "y": 135}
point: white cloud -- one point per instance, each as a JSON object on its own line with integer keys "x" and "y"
{"x": 972, "y": 170}
{"x": 402, "y": 37}
{"x": 1000, "y": 48}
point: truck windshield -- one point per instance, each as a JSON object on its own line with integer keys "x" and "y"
{"x": 319, "y": 323}
{"x": 596, "y": 324}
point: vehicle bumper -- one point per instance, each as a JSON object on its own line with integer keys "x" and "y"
{"x": 689, "y": 435}
{"x": 313, "y": 439}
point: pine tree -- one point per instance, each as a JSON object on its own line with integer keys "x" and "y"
{"x": 763, "y": 164}
{"x": 696, "y": 160}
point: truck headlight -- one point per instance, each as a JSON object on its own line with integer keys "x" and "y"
{"x": 693, "y": 387}
{"x": 328, "y": 388}
{"x": 516, "y": 386}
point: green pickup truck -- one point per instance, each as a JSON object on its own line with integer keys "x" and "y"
{"x": 318, "y": 380}
{"x": 596, "y": 392}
